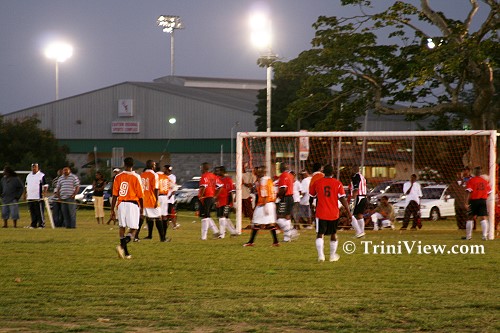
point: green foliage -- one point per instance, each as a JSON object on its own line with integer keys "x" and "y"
{"x": 72, "y": 281}
{"x": 23, "y": 143}
{"x": 374, "y": 61}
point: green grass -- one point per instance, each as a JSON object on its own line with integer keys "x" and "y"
{"x": 72, "y": 281}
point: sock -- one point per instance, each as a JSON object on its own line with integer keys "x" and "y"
{"x": 128, "y": 238}
{"x": 484, "y": 228}
{"x": 159, "y": 227}
{"x": 141, "y": 222}
{"x": 361, "y": 224}
{"x": 468, "y": 229}
{"x": 253, "y": 234}
{"x": 333, "y": 247}
{"x": 204, "y": 228}
{"x": 213, "y": 226}
{"x": 375, "y": 222}
{"x": 284, "y": 226}
{"x": 355, "y": 225}
{"x": 165, "y": 227}
{"x": 229, "y": 224}
{"x": 150, "y": 227}
{"x": 222, "y": 226}
{"x": 275, "y": 236}
{"x": 319, "y": 247}
{"x": 123, "y": 243}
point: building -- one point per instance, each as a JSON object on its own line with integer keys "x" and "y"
{"x": 182, "y": 121}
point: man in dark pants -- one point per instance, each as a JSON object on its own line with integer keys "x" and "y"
{"x": 36, "y": 188}
{"x": 413, "y": 193}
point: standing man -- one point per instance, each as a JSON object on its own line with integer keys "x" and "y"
{"x": 478, "y": 190}
{"x": 11, "y": 190}
{"x": 413, "y": 193}
{"x": 316, "y": 175}
{"x": 328, "y": 191}
{"x": 248, "y": 180}
{"x": 206, "y": 194}
{"x": 285, "y": 206}
{"x": 65, "y": 192}
{"x": 358, "y": 194}
{"x": 172, "y": 214}
{"x": 458, "y": 192}
{"x": 127, "y": 196}
{"x": 225, "y": 202}
{"x": 304, "y": 208}
{"x": 264, "y": 215}
{"x": 36, "y": 189}
{"x": 151, "y": 188}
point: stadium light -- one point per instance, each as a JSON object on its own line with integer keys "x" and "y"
{"x": 59, "y": 52}
{"x": 170, "y": 23}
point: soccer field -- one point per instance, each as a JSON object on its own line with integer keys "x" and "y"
{"x": 67, "y": 280}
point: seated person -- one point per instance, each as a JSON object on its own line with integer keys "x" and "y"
{"x": 384, "y": 215}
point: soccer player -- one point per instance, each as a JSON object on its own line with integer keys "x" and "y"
{"x": 358, "y": 194}
{"x": 163, "y": 190}
{"x": 206, "y": 195}
{"x": 316, "y": 174}
{"x": 264, "y": 215}
{"x": 172, "y": 214}
{"x": 328, "y": 192}
{"x": 152, "y": 213}
{"x": 413, "y": 192}
{"x": 224, "y": 202}
{"x": 285, "y": 205}
{"x": 478, "y": 190}
{"x": 127, "y": 196}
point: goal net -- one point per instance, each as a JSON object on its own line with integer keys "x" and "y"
{"x": 433, "y": 155}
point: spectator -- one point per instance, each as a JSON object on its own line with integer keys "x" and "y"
{"x": 56, "y": 205}
{"x": 413, "y": 192}
{"x": 11, "y": 190}
{"x": 66, "y": 190}
{"x": 304, "y": 207}
{"x": 36, "y": 189}
{"x": 458, "y": 192}
{"x": 383, "y": 216}
{"x": 98, "y": 195}
{"x": 248, "y": 180}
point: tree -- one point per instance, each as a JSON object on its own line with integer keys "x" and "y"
{"x": 23, "y": 143}
{"x": 351, "y": 68}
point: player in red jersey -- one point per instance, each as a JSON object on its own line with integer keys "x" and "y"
{"x": 328, "y": 192}
{"x": 478, "y": 190}
{"x": 206, "y": 194}
{"x": 224, "y": 202}
{"x": 127, "y": 196}
{"x": 285, "y": 205}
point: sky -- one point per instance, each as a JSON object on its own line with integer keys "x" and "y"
{"x": 118, "y": 40}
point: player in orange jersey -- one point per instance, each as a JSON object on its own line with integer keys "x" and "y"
{"x": 152, "y": 213}
{"x": 163, "y": 192}
{"x": 264, "y": 215}
{"x": 127, "y": 196}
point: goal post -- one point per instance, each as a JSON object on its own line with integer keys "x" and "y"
{"x": 432, "y": 155}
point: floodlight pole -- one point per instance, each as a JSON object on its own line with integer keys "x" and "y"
{"x": 170, "y": 23}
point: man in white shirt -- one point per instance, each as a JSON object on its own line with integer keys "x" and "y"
{"x": 304, "y": 207}
{"x": 413, "y": 192}
{"x": 36, "y": 188}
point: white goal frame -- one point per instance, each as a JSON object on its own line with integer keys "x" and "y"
{"x": 492, "y": 134}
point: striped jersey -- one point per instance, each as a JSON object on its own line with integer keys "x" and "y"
{"x": 67, "y": 185}
{"x": 150, "y": 183}
{"x": 127, "y": 186}
{"x": 358, "y": 182}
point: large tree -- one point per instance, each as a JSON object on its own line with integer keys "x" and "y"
{"x": 22, "y": 142}
{"x": 378, "y": 59}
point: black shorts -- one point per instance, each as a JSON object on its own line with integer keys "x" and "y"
{"x": 477, "y": 207}
{"x": 327, "y": 227}
{"x": 360, "y": 205}
{"x": 206, "y": 206}
{"x": 223, "y": 211}
{"x": 285, "y": 206}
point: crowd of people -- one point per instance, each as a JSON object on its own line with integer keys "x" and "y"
{"x": 286, "y": 204}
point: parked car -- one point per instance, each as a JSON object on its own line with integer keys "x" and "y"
{"x": 395, "y": 192}
{"x": 187, "y": 194}
{"x": 436, "y": 203}
{"x": 107, "y": 196}
{"x": 379, "y": 189}
{"x": 80, "y": 198}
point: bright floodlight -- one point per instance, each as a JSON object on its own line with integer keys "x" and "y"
{"x": 169, "y": 23}
{"x": 260, "y": 35}
{"x": 59, "y": 52}
{"x": 430, "y": 43}
{"x": 172, "y": 120}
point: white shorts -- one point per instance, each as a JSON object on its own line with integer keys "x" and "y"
{"x": 163, "y": 201}
{"x": 265, "y": 214}
{"x": 152, "y": 213}
{"x": 128, "y": 214}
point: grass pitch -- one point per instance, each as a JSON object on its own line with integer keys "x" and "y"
{"x": 72, "y": 281}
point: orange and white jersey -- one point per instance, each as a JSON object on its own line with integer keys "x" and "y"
{"x": 164, "y": 183}
{"x": 150, "y": 183}
{"x": 265, "y": 191}
{"x": 127, "y": 186}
